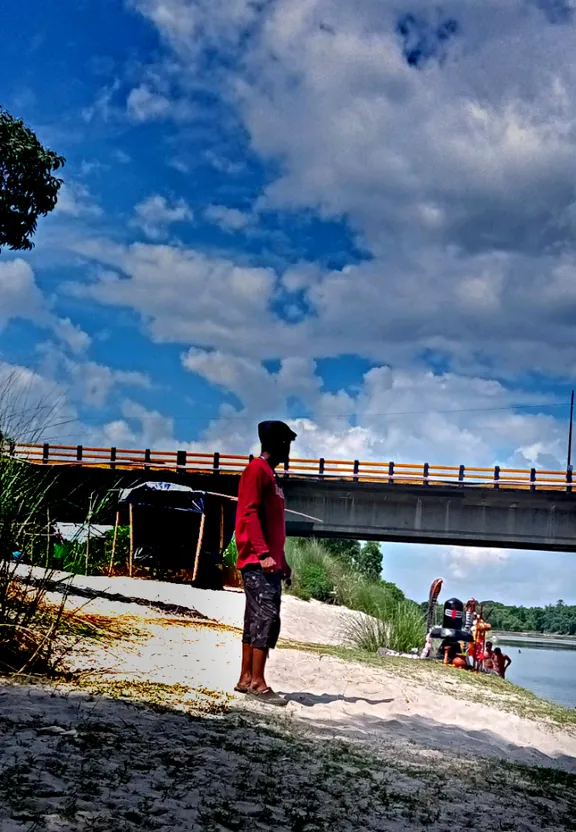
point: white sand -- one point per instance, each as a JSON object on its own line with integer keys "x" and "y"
{"x": 309, "y": 622}
{"x": 347, "y": 698}
{"x": 153, "y": 771}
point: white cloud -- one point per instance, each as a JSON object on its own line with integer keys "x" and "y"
{"x": 77, "y": 340}
{"x": 469, "y": 562}
{"x": 456, "y": 175}
{"x": 189, "y": 297}
{"x": 511, "y": 576}
{"x": 121, "y": 156}
{"x": 22, "y": 298}
{"x": 257, "y": 389}
{"x": 229, "y": 219}
{"x": 155, "y": 214}
{"x": 475, "y": 314}
{"x": 143, "y": 104}
{"x": 33, "y": 408}
{"x": 75, "y": 200}
{"x": 404, "y": 416}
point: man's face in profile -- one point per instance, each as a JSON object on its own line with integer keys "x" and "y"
{"x": 282, "y": 450}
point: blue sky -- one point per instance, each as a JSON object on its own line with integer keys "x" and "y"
{"x": 356, "y": 217}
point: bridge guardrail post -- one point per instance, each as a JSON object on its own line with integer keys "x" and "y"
{"x": 532, "y": 479}
{"x": 321, "y": 463}
{"x": 461, "y": 472}
{"x": 147, "y": 459}
{"x": 45, "y": 453}
{"x": 113, "y": 458}
{"x": 79, "y": 453}
{"x": 181, "y": 461}
{"x": 286, "y": 469}
{"x": 12, "y": 448}
{"x": 391, "y": 473}
{"x": 426, "y": 473}
{"x": 496, "y": 477}
{"x": 216, "y": 463}
{"x": 356, "y": 469}
{"x": 569, "y": 478}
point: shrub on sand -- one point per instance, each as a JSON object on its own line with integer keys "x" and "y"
{"x": 400, "y": 628}
{"x": 388, "y": 619}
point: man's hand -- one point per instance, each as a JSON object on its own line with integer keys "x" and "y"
{"x": 287, "y": 575}
{"x": 268, "y": 564}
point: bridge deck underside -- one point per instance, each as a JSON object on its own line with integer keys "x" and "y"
{"x": 369, "y": 511}
{"x": 475, "y": 517}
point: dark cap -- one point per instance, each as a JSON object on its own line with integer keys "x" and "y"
{"x": 275, "y": 432}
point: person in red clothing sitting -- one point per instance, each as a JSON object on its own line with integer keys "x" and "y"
{"x": 260, "y": 538}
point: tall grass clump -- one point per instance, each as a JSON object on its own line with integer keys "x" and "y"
{"x": 398, "y": 627}
{"x": 30, "y": 623}
{"x": 388, "y": 619}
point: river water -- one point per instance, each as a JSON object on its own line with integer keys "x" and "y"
{"x": 547, "y": 670}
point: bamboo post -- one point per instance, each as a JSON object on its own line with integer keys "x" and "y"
{"x": 114, "y": 542}
{"x": 221, "y": 527}
{"x": 131, "y": 554}
{"x": 87, "y": 556}
{"x": 47, "y": 538}
{"x": 198, "y": 547}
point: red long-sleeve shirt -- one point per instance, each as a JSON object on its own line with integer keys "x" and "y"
{"x": 260, "y": 520}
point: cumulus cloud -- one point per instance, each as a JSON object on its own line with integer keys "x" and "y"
{"x": 405, "y": 416}
{"x": 511, "y": 576}
{"x": 75, "y": 200}
{"x": 229, "y": 219}
{"x": 454, "y": 167}
{"x": 22, "y": 298}
{"x": 186, "y": 296}
{"x": 143, "y": 104}
{"x": 486, "y": 314}
{"x": 156, "y": 214}
{"x": 34, "y": 407}
{"x": 469, "y": 562}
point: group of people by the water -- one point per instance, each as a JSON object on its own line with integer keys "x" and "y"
{"x": 495, "y": 661}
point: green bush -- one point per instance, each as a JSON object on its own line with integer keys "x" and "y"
{"x": 314, "y": 582}
{"x": 390, "y": 619}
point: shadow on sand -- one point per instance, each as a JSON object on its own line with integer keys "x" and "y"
{"x": 311, "y": 699}
{"x": 79, "y": 763}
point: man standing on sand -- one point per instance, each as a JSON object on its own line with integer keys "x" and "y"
{"x": 260, "y": 538}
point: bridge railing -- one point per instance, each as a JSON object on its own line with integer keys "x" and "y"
{"x": 329, "y": 469}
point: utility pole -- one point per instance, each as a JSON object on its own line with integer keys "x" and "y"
{"x": 570, "y": 431}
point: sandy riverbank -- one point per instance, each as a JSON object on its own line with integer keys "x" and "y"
{"x": 419, "y": 735}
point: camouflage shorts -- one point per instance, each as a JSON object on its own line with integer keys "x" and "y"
{"x": 262, "y": 617}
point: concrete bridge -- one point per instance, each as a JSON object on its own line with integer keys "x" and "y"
{"x": 385, "y": 501}
{"x": 477, "y": 516}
